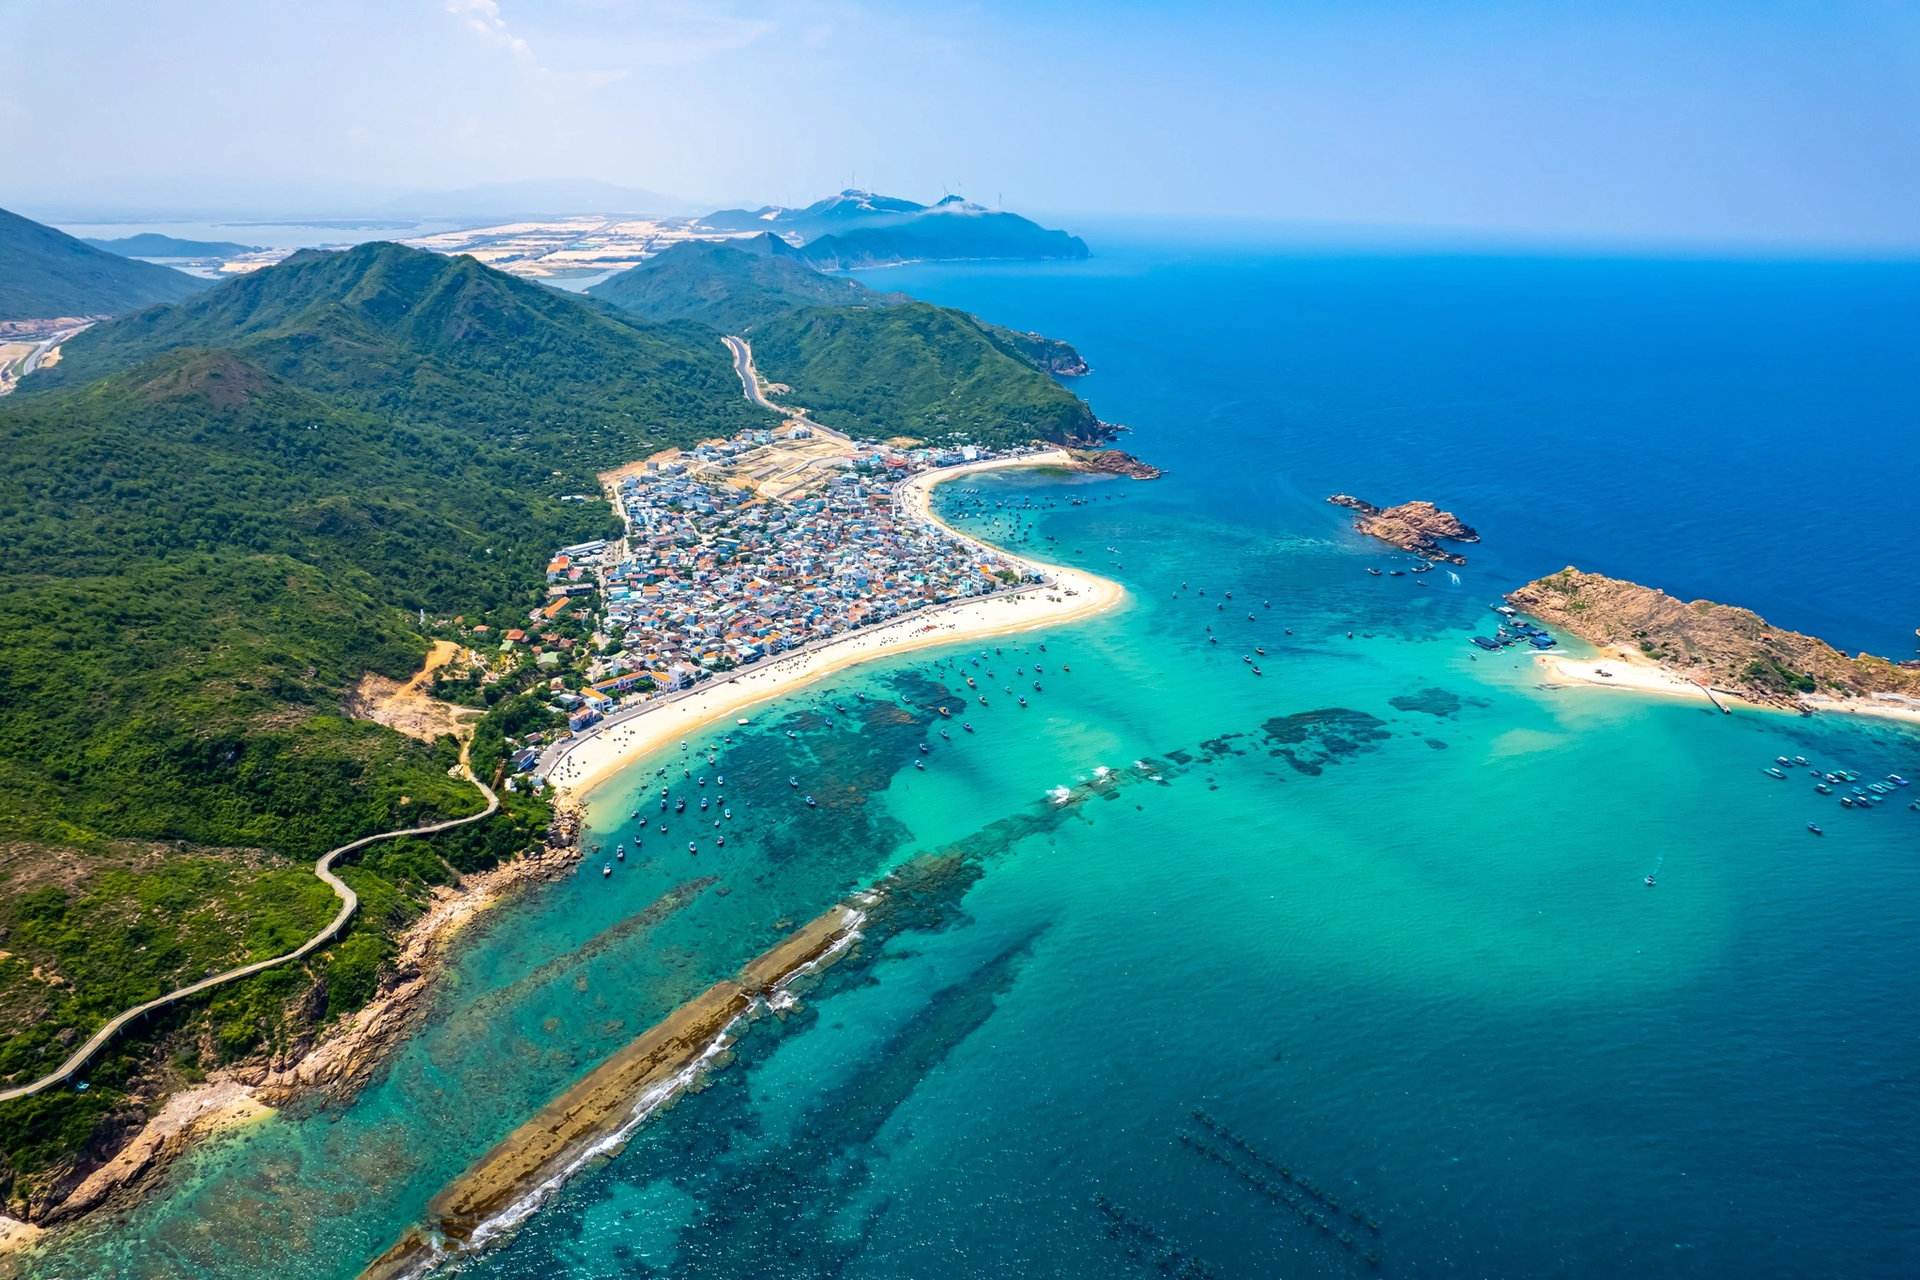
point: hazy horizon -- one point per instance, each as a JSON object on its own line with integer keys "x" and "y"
{"x": 1742, "y": 126}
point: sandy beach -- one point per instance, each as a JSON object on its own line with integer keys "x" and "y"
{"x": 1626, "y": 670}
{"x": 1069, "y": 594}
{"x": 1617, "y": 671}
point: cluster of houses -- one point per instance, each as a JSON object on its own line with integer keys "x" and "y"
{"x": 711, "y": 576}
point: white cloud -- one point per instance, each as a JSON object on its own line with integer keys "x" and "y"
{"x": 483, "y": 18}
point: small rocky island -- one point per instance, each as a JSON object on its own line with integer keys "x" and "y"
{"x": 1715, "y": 644}
{"x": 1114, "y": 462}
{"x": 1411, "y": 526}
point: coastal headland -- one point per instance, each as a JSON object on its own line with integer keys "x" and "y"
{"x": 1658, "y": 644}
{"x": 594, "y": 1116}
{"x": 1065, "y": 596}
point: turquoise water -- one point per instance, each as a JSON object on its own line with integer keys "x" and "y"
{"x": 1378, "y": 913}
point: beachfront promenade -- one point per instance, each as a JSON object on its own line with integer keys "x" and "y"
{"x": 349, "y": 901}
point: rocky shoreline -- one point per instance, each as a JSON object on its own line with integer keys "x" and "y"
{"x": 1411, "y": 526}
{"x": 1728, "y": 649}
{"x": 1115, "y": 463}
{"x": 335, "y": 1065}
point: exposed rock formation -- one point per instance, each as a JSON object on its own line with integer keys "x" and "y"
{"x": 1726, "y": 647}
{"x": 1114, "y": 462}
{"x": 1411, "y": 526}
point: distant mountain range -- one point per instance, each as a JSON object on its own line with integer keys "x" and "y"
{"x": 150, "y": 245}
{"x": 860, "y": 229}
{"x": 45, "y": 274}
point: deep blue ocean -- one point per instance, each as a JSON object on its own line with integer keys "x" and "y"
{"x": 1349, "y": 968}
{"x": 1746, "y": 431}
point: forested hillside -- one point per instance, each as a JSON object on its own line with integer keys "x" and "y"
{"x": 46, "y": 274}
{"x": 220, "y": 516}
{"x": 732, "y": 287}
{"x": 929, "y": 372}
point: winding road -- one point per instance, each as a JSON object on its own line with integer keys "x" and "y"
{"x": 323, "y": 868}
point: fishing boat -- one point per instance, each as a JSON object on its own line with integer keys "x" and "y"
{"x": 924, "y": 748}
{"x": 606, "y": 868}
{"x": 692, "y": 847}
{"x": 1246, "y": 658}
{"x": 920, "y": 764}
{"x": 1036, "y": 686}
{"x": 810, "y": 803}
{"x": 1823, "y": 788}
{"x": 679, "y": 806}
{"x": 1262, "y": 652}
{"x": 620, "y": 854}
{"x": 1801, "y": 761}
{"x": 943, "y": 711}
{"x": 1781, "y": 760}
{"x": 703, "y": 804}
{"x": 1896, "y": 780}
{"x": 968, "y": 726}
{"x": 1846, "y": 802}
{"x": 1815, "y": 829}
{"x": 1023, "y": 702}
{"x": 1256, "y": 671}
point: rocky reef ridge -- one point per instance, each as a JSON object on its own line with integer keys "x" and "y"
{"x": 1114, "y": 462}
{"x": 1411, "y": 526}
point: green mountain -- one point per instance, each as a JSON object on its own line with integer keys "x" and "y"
{"x": 866, "y": 362}
{"x": 219, "y": 517}
{"x": 860, "y": 229}
{"x": 918, "y": 370}
{"x": 732, "y": 286}
{"x": 419, "y": 338}
{"x": 150, "y": 245}
{"x": 46, "y": 274}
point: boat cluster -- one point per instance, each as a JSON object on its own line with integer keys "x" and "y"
{"x": 1515, "y": 630}
{"x": 1855, "y": 795}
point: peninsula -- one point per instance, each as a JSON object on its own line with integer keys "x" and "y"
{"x": 1411, "y": 526}
{"x": 1690, "y": 646}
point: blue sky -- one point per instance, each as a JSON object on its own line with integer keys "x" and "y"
{"x": 1687, "y": 122}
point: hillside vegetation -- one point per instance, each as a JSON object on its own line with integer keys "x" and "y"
{"x": 221, "y": 515}
{"x": 46, "y": 274}
{"x": 732, "y": 287}
{"x": 919, "y": 370}
{"x": 866, "y": 362}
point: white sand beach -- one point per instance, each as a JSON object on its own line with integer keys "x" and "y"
{"x": 1617, "y": 672}
{"x": 1624, "y": 669}
{"x": 1069, "y": 594}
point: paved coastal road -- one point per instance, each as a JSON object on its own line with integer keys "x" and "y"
{"x": 750, "y": 383}
{"x": 348, "y": 902}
